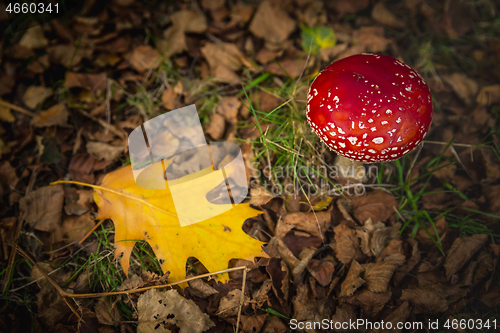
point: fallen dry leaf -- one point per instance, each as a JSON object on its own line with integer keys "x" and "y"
{"x": 169, "y": 97}
{"x": 384, "y": 16}
{"x": 106, "y": 312}
{"x": 430, "y": 298}
{"x": 259, "y": 196}
{"x": 313, "y": 223}
{"x": 217, "y": 126}
{"x": 465, "y": 87}
{"x": 372, "y": 303}
{"x": 272, "y": 24}
{"x": 104, "y": 151}
{"x": 42, "y": 208}
{"x": 461, "y": 251}
{"x": 184, "y": 21}
{"x": 158, "y": 308}
{"x": 35, "y": 95}
{"x": 230, "y": 303}
{"x": 370, "y": 39}
{"x": 489, "y": 95}
{"x": 144, "y": 58}
{"x": 34, "y": 38}
{"x": 348, "y": 6}
{"x": 200, "y": 288}
{"x": 6, "y": 114}
{"x": 376, "y": 205}
{"x": 378, "y": 275}
{"x": 92, "y": 82}
{"x": 400, "y": 315}
{"x": 353, "y": 280}
{"x": 291, "y": 66}
{"x": 224, "y": 59}
{"x": 133, "y": 281}
{"x": 229, "y": 107}
{"x": 280, "y": 278}
{"x": 303, "y": 303}
{"x": 321, "y": 270}
{"x": 76, "y": 227}
{"x": 346, "y": 243}
{"x": 67, "y": 55}
{"x": 55, "y": 115}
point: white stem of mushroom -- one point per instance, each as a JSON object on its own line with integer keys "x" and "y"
{"x": 348, "y": 168}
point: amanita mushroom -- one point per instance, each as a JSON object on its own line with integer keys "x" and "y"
{"x": 370, "y": 108}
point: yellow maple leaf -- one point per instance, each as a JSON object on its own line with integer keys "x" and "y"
{"x": 150, "y": 215}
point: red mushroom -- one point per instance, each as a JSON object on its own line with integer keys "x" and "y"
{"x": 370, "y": 108}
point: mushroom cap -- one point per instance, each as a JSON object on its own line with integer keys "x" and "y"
{"x": 369, "y": 108}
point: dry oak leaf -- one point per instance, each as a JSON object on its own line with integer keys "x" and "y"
{"x": 150, "y": 215}
{"x": 158, "y": 308}
{"x": 461, "y": 251}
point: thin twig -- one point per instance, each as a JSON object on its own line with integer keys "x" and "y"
{"x": 102, "y": 188}
{"x": 16, "y": 108}
{"x": 54, "y": 284}
{"x": 242, "y": 298}
{"x": 124, "y": 292}
{"x": 112, "y": 128}
{"x": 91, "y": 232}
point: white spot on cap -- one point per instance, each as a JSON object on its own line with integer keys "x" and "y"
{"x": 353, "y": 139}
{"x": 398, "y": 120}
{"x": 361, "y": 125}
{"x": 365, "y": 135}
{"x": 341, "y": 144}
{"x": 372, "y": 151}
{"x": 373, "y": 129}
{"x": 388, "y": 112}
{"x": 340, "y": 130}
{"x": 336, "y": 99}
{"x": 370, "y": 120}
{"x": 384, "y": 122}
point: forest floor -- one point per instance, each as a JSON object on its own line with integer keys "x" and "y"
{"x": 415, "y": 241}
